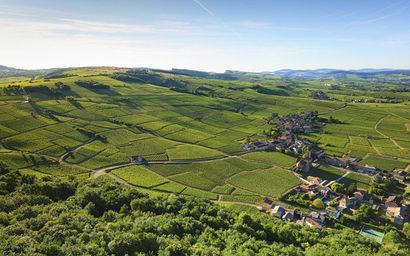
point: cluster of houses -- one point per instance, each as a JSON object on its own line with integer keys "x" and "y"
{"x": 289, "y": 125}
{"x": 313, "y": 220}
{"x": 354, "y": 165}
{"x": 336, "y": 203}
{"x": 320, "y": 95}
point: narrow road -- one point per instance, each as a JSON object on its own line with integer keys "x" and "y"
{"x": 240, "y": 203}
{"x": 344, "y": 175}
{"x": 69, "y": 152}
{"x": 107, "y": 169}
{"x": 333, "y": 110}
{"x": 384, "y": 135}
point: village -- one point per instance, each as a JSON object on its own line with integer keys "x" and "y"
{"x": 323, "y": 198}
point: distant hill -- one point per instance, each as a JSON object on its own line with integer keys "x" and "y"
{"x": 338, "y": 74}
{"x": 10, "y": 72}
{"x": 225, "y": 76}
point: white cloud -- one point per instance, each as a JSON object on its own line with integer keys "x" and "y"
{"x": 203, "y": 7}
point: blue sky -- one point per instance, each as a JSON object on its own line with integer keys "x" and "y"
{"x": 212, "y": 35}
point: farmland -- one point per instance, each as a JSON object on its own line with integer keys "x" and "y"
{"x": 188, "y": 130}
{"x": 272, "y": 182}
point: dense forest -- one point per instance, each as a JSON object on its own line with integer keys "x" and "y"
{"x": 49, "y": 216}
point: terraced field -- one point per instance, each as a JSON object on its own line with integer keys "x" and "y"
{"x": 190, "y": 141}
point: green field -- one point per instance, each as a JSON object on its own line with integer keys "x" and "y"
{"x": 326, "y": 172}
{"x": 361, "y": 181}
{"x": 140, "y": 176}
{"x": 272, "y": 182}
{"x": 188, "y": 129}
{"x": 274, "y": 158}
{"x": 383, "y": 163}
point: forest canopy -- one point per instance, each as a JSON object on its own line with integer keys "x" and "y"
{"x": 49, "y": 216}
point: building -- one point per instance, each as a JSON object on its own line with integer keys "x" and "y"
{"x": 307, "y": 187}
{"x": 314, "y": 180}
{"x": 337, "y": 161}
{"x": 397, "y": 213}
{"x": 278, "y": 211}
{"x": 319, "y": 217}
{"x": 137, "y": 159}
{"x": 267, "y": 204}
{"x": 392, "y": 201}
{"x": 358, "y": 195}
{"x": 332, "y": 212}
{"x": 363, "y": 168}
{"x": 347, "y": 202}
{"x": 311, "y": 223}
{"x": 257, "y": 146}
{"x": 288, "y": 216}
{"x": 303, "y": 165}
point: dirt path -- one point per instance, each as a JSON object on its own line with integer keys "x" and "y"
{"x": 333, "y": 110}
{"x": 384, "y": 135}
{"x": 240, "y": 203}
{"x": 69, "y": 152}
{"x": 344, "y": 175}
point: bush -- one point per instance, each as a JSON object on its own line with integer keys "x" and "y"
{"x": 318, "y": 204}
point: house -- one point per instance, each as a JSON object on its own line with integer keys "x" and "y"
{"x": 332, "y": 212}
{"x": 278, "y": 211}
{"x": 137, "y": 159}
{"x": 303, "y": 165}
{"x": 319, "y": 217}
{"x": 288, "y": 216}
{"x": 319, "y": 95}
{"x": 371, "y": 199}
{"x": 394, "y": 211}
{"x": 399, "y": 220}
{"x": 358, "y": 195}
{"x": 347, "y": 202}
{"x": 324, "y": 190}
{"x": 397, "y": 213}
{"x": 311, "y": 223}
{"x": 267, "y": 204}
{"x": 307, "y": 129}
{"x": 343, "y": 161}
{"x": 363, "y": 168}
{"x": 337, "y": 161}
{"x": 392, "y": 201}
{"x": 307, "y": 187}
{"x": 314, "y": 180}
{"x": 257, "y": 146}
{"x": 301, "y": 221}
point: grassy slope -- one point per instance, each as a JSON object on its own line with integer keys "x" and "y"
{"x": 162, "y": 124}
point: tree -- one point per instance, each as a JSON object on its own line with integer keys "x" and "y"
{"x": 337, "y": 187}
{"x": 364, "y": 213}
{"x": 318, "y": 204}
{"x": 406, "y": 229}
{"x": 351, "y": 188}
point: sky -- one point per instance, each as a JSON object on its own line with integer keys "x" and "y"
{"x": 210, "y": 35}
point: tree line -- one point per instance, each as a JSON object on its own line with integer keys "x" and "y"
{"x": 50, "y": 216}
